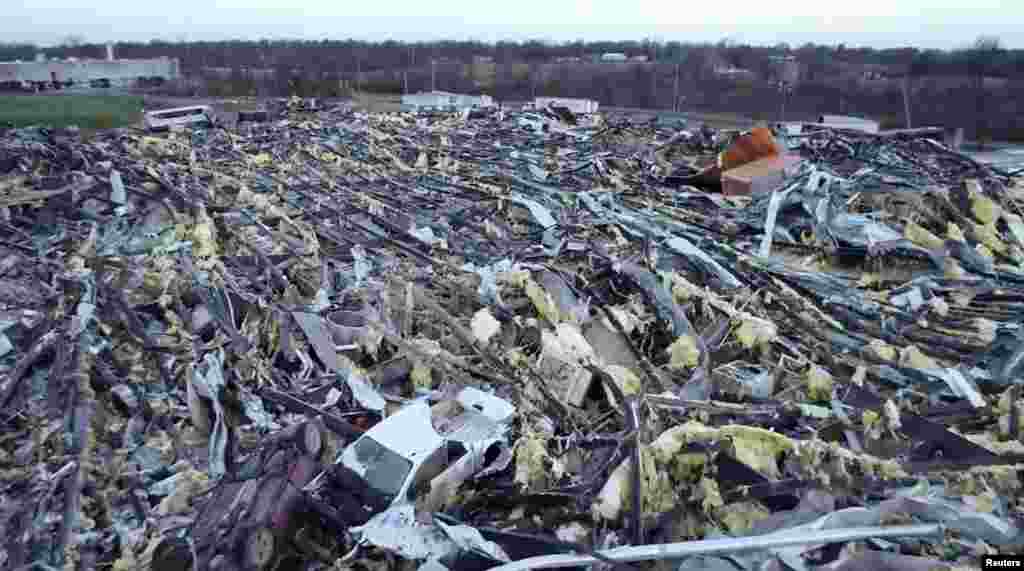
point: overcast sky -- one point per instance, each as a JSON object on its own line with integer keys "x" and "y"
{"x": 942, "y": 24}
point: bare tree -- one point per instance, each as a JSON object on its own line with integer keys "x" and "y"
{"x": 981, "y": 59}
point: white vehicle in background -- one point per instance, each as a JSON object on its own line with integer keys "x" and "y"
{"x": 177, "y": 117}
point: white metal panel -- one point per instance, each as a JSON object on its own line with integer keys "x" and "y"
{"x": 846, "y": 122}
{"x": 409, "y": 431}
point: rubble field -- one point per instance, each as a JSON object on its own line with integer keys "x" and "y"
{"x": 497, "y": 340}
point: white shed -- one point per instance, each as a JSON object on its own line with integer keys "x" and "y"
{"x": 580, "y": 106}
{"x": 445, "y": 100}
{"x": 846, "y": 122}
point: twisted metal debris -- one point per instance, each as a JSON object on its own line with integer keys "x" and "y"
{"x": 196, "y": 325}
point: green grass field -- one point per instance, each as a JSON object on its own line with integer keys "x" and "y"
{"x": 86, "y": 111}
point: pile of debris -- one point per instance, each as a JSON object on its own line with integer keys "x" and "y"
{"x": 348, "y": 340}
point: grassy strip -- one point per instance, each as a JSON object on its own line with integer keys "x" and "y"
{"x": 88, "y": 111}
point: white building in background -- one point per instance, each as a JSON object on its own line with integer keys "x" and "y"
{"x": 846, "y": 122}
{"x": 445, "y": 100}
{"x": 614, "y": 57}
{"x": 580, "y": 106}
{"x": 74, "y": 71}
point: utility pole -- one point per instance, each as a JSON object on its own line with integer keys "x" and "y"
{"x": 654, "y": 75}
{"x": 785, "y": 89}
{"x": 675, "y": 90}
{"x": 654, "y": 85}
{"x": 433, "y": 74}
{"x": 359, "y": 75}
{"x": 906, "y": 98}
{"x": 412, "y": 65}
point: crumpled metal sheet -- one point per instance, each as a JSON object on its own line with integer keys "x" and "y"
{"x": 488, "y": 289}
{"x": 398, "y": 531}
{"x": 363, "y": 393}
{"x": 210, "y": 384}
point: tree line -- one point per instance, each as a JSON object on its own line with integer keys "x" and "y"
{"x": 978, "y": 86}
{"x": 349, "y": 57}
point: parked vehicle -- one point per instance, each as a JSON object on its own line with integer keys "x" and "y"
{"x": 279, "y": 504}
{"x": 413, "y": 450}
{"x": 179, "y": 117}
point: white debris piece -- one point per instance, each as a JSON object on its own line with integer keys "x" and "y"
{"x": 484, "y": 326}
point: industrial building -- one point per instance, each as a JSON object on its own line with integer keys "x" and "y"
{"x": 48, "y": 74}
{"x": 437, "y": 100}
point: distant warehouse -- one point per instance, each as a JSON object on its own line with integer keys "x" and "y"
{"x": 443, "y": 100}
{"x": 50, "y": 74}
